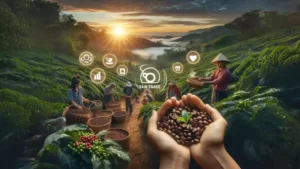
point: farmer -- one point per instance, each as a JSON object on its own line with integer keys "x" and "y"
{"x": 149, "y": 96}
{"x": 108, "y": 94}
{"x": 209, "y": 153}
{"x": 75, "y": 95}
{"x": 220, "y": 79}
{"x": 128, "y": 92}
{"x": 173, "y": 90}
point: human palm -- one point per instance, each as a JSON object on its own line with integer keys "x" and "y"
{"x": 164, "y": 143}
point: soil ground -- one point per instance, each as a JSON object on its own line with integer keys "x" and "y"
{"x": 142, "y": 155}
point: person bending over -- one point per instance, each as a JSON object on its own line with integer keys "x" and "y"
{"x": 108, "y": 94}
{"x": 75, "y": 95}
{"x": 210, "y": 153}
{"x": 149, "y": 96}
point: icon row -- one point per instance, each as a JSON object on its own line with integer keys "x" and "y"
{"x": 98, "y": 75}
{"x": 87, "y": 58}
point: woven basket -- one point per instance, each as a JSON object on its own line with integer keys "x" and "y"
{"x": 99, "y": 123}
{"x": 103, "y": 113}
{"x": 78, "y": 116}
{"x": 119, "y": 116}
{"x": 194, "y": 83}
{"x": 96, "y": 107}
{"x": 114, "y": 106}
{"x": 124, "y": 142}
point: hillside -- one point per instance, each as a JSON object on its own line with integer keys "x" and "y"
{"x": 34, "y": 86}
{"x": 262, "y": 109}
{"x": 205, "y": 35}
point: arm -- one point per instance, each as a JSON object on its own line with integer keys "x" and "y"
{"x": 85, "y": 99}
{"x": 72, "y": 103}
{"x": 220, "y": 80}
{"x": 210, "y": 153}
{"x": 173, "y": 162}
{"x": 208, "y": 78}
{"x": 172, "y": 155}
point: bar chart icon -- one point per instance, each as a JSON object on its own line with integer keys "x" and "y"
{"x": 97, "y": 76}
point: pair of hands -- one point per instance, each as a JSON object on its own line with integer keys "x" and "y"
{"x": 178, "y": 156}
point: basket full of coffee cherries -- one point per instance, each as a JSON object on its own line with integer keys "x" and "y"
{"x": 185, "y": 124}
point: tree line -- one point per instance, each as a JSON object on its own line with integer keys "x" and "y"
{"x": 258, "y": 22}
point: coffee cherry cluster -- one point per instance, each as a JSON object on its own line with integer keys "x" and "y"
{"x": 88, "y": 143}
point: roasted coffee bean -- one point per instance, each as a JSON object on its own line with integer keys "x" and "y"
{"x": 184, "y": 125}
{"x": 189, "y": 134}
{"x": 196, "y": 140}
{"x": 160, "y": 128}
{"x": 205, "y": 122}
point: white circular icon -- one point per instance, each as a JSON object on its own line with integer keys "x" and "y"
{"x": 86, "y": 58}
{"x": 122, "y": 70}
{"x": 193, "y": 57}
{"x": 177, "y": 67}
{"x": 149, "y": 75}
{"x": 98, "y": 75}
{"x": 109, "y": 60}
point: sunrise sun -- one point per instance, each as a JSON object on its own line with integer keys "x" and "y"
{"x": 119, "y": 31}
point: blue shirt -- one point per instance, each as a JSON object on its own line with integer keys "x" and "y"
{"x": 150, "y": 99}
{"x": 76, "y": 96}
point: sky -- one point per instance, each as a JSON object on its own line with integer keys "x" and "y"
{"x": 166, "y": 16}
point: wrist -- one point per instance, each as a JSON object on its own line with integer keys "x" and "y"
{"x": 174, "y": 161}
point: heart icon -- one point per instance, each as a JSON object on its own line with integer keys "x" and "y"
{"x": 193, "y": 58}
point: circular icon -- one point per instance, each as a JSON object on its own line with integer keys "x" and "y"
{"x": 109, "y": 60}
{"x": 149, "y": 75}
{"x": 193, "y": 57}
{"x": 122, "y": 70}
{"x": 86, "y": 58}
{"x": 98, "y": 75}
{"x": 177, "y": 67}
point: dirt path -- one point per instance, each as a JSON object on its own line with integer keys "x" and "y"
{"x": 142, "y": 155}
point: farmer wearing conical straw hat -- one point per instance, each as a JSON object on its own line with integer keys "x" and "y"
{"x": 220, "y": 79}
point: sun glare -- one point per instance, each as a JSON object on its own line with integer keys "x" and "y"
{"x": 119, "y": 31}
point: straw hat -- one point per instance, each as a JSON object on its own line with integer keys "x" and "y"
{"x": 128, "y": 84}
{"x": 172, "y": 83}
{"x": 221, "y": 58}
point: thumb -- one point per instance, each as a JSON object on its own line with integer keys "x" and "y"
{"x": 152, "y": 123}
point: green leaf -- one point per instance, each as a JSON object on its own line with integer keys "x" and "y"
{"x": 181, "y": 119}
{"x": 184, "y": 114}
{"x": 106, "y": 164}
{"x": 188, "y": 118}
{"x": 101, "y": 134}
{"x": 96, "y": 162}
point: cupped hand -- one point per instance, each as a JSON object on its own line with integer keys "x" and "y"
{"x": 161, "y": 141}
{"x": 212, "y": 139}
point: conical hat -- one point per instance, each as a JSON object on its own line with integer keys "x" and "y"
{"x": 173, "y": 82}
{"x": 219, "y": 58}
{"x": 128, "y": 84}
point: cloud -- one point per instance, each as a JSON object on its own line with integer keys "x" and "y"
{"x": 185, "y": 6}
{"x": 186, "y": 23}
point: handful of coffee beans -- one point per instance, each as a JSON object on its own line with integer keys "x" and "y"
{"x": 185, "y": 125}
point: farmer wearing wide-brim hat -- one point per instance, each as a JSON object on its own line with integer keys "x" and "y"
{"x": 173, "y": 90}
{"x": 128, "y": 93}
{"x": 220, "y": 79}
